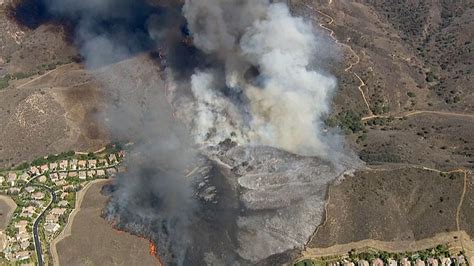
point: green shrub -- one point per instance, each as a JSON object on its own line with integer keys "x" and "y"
{"x": 5, "y": 81}
{"x": 23, "y": 75}
{"x": 349, "y": 121}
{"x": 430, "y": 77}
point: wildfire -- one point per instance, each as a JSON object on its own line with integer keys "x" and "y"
{"x": 153, "y": 250}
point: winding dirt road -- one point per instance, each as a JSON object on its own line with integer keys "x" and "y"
{"x": 412, "y": 113}
{"x": 41, "y": 76}
{"x": 355, "y": 55}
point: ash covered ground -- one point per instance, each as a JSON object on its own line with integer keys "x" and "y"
{"x": 251, "y": 202}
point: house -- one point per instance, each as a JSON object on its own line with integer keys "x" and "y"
{"x": 11, "y": 177}
{"x": 73, "y": 164}
{"x": 58, "y": 211}
{"x": 112, "y": 159}
{"x": 363, "y": 263}
{"x": 62, "y": 175}
{"x": 419, "y": 262}
{"x": 24, "y": 176}
{"x": 111, "y": 172}
{"x": 377, "y": 262}
{"x": 22, "y": 231}
{"x": 92, "y": 163}
{"x": 63, "y": 203}
{"x": 82, "y": 175}
{"x": 69, "y": 188}
{"x": 433, "y": 261}
{"x": 13, "y": 191}
{"x": 54, "y": 177}
{"x": 38, "y": 195}
{"x": 23, "y": 237}
{"x": 91, "y": 173}
{"x": 121, "y": 169}
{"x": 2, "y": 179}
{"x": 22, "y": 255}
{"x": 60, "y": 183}
{"x": 63, "y": 165}
{"x": 44, "y": 168}
{"x": 21, "y": 223}
{"x": 37, "y": 203}
{"x": 53, "y": 166}
{"x": 81, "y": 164}
{"x": 24, "y": 245}
{"x": 72, "y": 174}
{"x": 51, "y": 218}
{"x": 30, "y": 189}
{"x": 34, "y": 171}
{"x": 42, "y": 179}
{"x": 405, "y": 262}
{"x": 100, "y": 172}
{"x": 52, "y": 227}
{"x": 64, "y": 195}
{"x": 103, "y": 162}
{"x": 121, "y": 154}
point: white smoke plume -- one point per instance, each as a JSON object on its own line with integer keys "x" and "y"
{"x": 269, "y": 57}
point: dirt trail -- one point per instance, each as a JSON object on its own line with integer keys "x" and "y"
{"x": 412, "y": 113}
{"x": 351, "y": 64}
{"x": 41, "y": 76}
{"x": 458, "y": 240}
{"x": 458, "y": 210}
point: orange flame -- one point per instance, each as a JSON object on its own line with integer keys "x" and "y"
{"x": 153, "y": 250}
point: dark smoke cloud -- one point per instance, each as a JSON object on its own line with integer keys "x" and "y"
{"x": 105, "y": 31}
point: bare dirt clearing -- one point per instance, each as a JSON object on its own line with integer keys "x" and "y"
{"x": 7, "y": 207}
{"x": 94, "y": 242}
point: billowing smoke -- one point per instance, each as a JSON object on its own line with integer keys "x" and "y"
{"x": 223, "y": 115}
{"x": 268, "y": 56}
{"x": 113, "y": 38}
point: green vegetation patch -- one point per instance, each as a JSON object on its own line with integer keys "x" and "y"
{"x": 349, "y": 121}
{"x": 53, "y": 158}
{"x": 5, "y": 81}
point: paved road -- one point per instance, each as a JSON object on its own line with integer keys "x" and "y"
{"x": 39, "y": 249}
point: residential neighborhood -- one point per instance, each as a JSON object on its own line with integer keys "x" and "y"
{"x": 440, "y": 255}
{"x": 45, "y": 194}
